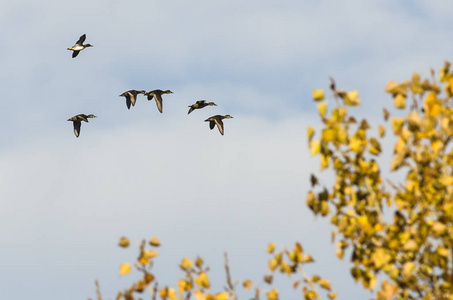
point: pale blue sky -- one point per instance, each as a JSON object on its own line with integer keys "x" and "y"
{"x": 66, "y": 201}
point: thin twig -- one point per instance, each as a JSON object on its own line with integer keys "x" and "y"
{"x": 230, "y": 283}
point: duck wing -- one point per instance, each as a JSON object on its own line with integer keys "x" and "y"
{"x": 75, "y": 53}
{"x": 77, "y": 125}
{"x": 128, "y": 102}
{"x": 82, "y": 117}
{"x": 81, "y": 39}
{"x": 133, "y": 98}
{"x": 191, "y": 109}
{"x": 219, "y": 125}
{"x": 158, "y": 102}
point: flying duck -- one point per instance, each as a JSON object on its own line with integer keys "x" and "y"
{"x": 77, "y": 122}
{"x": 200, "y": 104}
{"x": 79, "y": 46}
{"x": 217, "y": 120}
{"x": 157, "y": 95}
{"x": 131, "y": 97}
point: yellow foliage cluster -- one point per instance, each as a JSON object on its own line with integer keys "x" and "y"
{"x": 196, "y": 283}
{"x": 414, "y": 248}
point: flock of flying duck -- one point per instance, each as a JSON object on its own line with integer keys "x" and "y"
{"x": 131, "y": 98}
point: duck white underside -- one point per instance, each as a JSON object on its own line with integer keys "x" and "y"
{"x": 77, "y": 48}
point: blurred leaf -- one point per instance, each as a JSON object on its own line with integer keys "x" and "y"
{"x": 310, "y": 133}
{"x": 124, "y": 242}
{"x": 247, "y": 284}
{"x": 325, "y": 284}
{"x": 186, "y": 264}
{"x": 352, "y": 98}
{"x": 318, "y": 95}
{"x": 154, "y": 241}
{"x": 270, "y": 248}
{"x": 322, "y": 109}
{"x": 125, "y": 268}
{"x": 315, "y": 147}
{"x": 272, "y": 294}
{"x": 203, "y": 280}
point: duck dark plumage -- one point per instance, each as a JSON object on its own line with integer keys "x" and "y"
{"x": 200, "y": 104}
{"x": 131, "y": 97}
{"x": 217, "y": 120}
{"x": 77, "y": 121}
{"x": 79, "y": 46}
{"x": 157, "y": 95}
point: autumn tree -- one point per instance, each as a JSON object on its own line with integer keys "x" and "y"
{"x": 398, "y": 235}
{"x": 400, "y": 229}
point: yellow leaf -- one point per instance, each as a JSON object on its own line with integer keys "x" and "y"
{"x": 140, "y": 286}
{"x": 446, "y": 180}
{"x": 268, "y": 279}
{"x": 386, "y": 114}
{"x": 203, "y": 280}
{"x": 443, "y": 252}
{"x": 221, "y": 296}
{"x": 356, "y": 144}
{"x": 270, "y": 248}
{"x": 125, "y": 268}
{"x": 399, "y": 101}
{"x": 436, "y": 145}
{"x": 318, "y": 95}
{"x": 328, "y": 135}
{"x": 273, "y": 264}
{"x": 414, "y": 121}
{"x": 339, "y": 253}
{"x": 410, "y": 245}
{"x": 431, "y": 99}
{"x": 324, "y": 161}
{"x": 315, "y": 147}
{"x": 150, "y": 253}
{"x": 397, "y": 124}
{"x": 325, "y": 284}
{"x": 247, "y": 284}
{"x": 391, "y": 87}
{"x": 184, "y": 286}
{"x": 272, "y": 294}
{"x": 408, "y": 267}
{"x": 168, "y": 293}
{"x": 322, "y": 109}
{"x": 310, "y": 132}
{"x": 380, "y": 258}
{"x": 308, "y": 258}
{"x": 298, "y": 248}
{"x": 124, "y": 242}
{"x": 444, "y": 72}
{"x": 148, "y": 277}
{"x": 185, "y": 264}
{"x": 154, "y": 241}
{"x": 389, "y": 289}
{"x": 332, "y": 295}
{"x": 199, "y": 262}
{"x": 381, "y": 130}
{"x": 352, "y": 98}
{"x": 199, "y": 295}
{"x": 397, "y": 88}
{"x": 439, "y": 228}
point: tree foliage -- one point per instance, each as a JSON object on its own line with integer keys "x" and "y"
{"x": 196, "y": 283}
{"x": 402, "y": 230}
{"x": 398, "y": 235}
